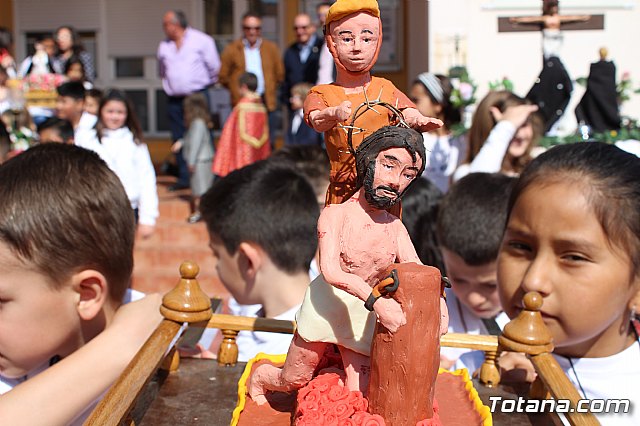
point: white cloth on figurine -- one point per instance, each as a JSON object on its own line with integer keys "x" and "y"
{"x": 331, "y": 315}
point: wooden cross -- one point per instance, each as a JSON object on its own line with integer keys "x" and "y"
{"x": 550, "y": 19}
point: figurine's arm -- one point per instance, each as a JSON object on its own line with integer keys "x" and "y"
{"x": 330, "y": 226}
{"x": 327, "y": 118}
{"x": 527, "y": 20}
{"x": 419, "y": 122}
{"x": 568, "y": 19}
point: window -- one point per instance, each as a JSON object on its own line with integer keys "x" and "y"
{"x": 129, "y": 67}
{"x": 141, "y": 106}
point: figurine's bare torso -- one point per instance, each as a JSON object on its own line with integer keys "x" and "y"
{"x": 367, "y": 245}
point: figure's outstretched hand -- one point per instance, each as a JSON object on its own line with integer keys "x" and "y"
{"x": 517, "y": 114}
{"x": 419, "y": 122}
{"x": 389, "y": 314}
{"x": 326, "y": 119}
{"x": 444, "y": 317}
{"x": 343, "y": 111}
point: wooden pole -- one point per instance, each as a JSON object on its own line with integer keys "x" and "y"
{"x": 404, "y": 365}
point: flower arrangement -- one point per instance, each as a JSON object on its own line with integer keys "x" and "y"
{"x": 464, "y": 88}
{"x": 21, "y": 139}
{"x": 504, "y": 84}
{"x": 624, "y": 88}
{"x": 630, "y": 130}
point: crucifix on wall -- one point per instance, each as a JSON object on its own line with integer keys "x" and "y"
{"x": 553, "y": 87}
{"x": 551, "y": 22}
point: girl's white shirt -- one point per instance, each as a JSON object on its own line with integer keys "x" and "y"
{"x": 613, "y": 377}
{"x": 132, "y": 163}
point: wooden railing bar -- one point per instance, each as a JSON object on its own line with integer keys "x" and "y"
{"x": 121, "y": 397}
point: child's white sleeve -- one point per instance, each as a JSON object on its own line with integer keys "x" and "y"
{"x": 148, "y": 204}
{"x": 489, "y": 158}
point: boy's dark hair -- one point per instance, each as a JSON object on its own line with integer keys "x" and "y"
{"x": 609, "y": 179}
{"x": 420, "y": 206}
{"x": 248, "y": 79}
{"x": 473, "y": 215}
{"x": 311, "y": 161}
{"x": 63, "y": 127}
{"x": 94, "y": 93}
{"x": 72, "y": 89}
{"x": 270, "y": 205}
{"x": 63, "y": 210}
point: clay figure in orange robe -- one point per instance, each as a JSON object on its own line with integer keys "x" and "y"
{"x": 354, "y": 35}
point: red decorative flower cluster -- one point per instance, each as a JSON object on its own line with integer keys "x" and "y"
{"x": 326, "y": 401}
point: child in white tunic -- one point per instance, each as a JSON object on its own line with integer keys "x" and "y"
{"x": 120, "y": 135}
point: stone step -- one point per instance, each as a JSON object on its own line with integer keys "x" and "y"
{"x": 157, "y": 259}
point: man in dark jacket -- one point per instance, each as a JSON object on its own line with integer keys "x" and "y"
{"x": 301, "y": 59}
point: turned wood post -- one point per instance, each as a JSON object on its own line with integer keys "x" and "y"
{"x": 186, "y": 302}
{"x": 404, "y": 365}
{"x": 489, "y": 373}
{"x": 527, "y": 333}
{"x": 228, "y": 350}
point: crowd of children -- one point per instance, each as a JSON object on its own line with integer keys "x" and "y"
{"x": 495, "y": 218}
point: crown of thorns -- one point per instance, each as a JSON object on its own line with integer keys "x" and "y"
{"x": 369, "y": 105}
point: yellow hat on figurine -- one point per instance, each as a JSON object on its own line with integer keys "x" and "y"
{"x": 342, "y": 8}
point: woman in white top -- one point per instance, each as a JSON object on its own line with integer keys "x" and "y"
{"x": 503, "y": 132}
{"x": 445, "y": 151}
{"x": 120, "y": 134}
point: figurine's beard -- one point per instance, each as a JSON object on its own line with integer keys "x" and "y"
{"x": 378, "y": 201}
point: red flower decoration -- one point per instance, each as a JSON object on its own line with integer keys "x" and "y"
{"x": 342, "y": 409}
{"x": 312, "y": 418}
{"x": 338, "y": 392}
{"x": 314, "y": 395}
